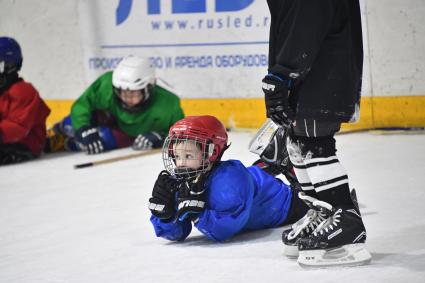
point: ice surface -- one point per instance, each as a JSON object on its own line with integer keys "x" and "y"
{"x": 58, "y": 224}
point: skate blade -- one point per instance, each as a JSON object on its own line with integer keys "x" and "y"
{"x": 291, "y": 251}
{"x": 263, "y": 137}
{"x": 348, "y": 255}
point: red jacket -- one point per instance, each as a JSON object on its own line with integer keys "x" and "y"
{"x": 23, "y": 117}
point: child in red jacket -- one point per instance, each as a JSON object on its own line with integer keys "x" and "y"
{"x": 22, "y": 111}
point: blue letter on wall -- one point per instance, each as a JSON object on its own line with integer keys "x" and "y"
{"x": 181, "y": 7}
{"x": 154, "y": 7}
{"x": 123, "y": 11}
{"x": 189, "y": 6}
{"x": 229, "y": 5}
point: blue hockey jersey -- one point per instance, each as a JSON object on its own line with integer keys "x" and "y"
{"x": 237, "y": 199}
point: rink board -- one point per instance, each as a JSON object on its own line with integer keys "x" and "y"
{"x": 377, "y": 112}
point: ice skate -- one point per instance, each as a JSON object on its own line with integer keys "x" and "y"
{"x": 337, "y": 241}
{"x": 317, "y": 213}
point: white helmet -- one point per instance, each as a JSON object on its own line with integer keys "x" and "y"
{"x": 133, "y": 73}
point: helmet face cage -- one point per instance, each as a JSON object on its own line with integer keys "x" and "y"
{"x": 186, "y": 156}
{"x": 134, "y": 73}
{"x": 145, "y": 92}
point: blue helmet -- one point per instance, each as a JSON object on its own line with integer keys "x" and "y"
{"x": 10, "y": 55}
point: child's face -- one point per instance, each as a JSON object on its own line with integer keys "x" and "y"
{"x": 187, "y": 154}
{"x": 131, "y": 97}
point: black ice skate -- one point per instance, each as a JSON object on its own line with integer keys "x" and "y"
{"x": 270, "y": 144}
{"x": 337, "y": 241}
{"x": 317, "y": 213}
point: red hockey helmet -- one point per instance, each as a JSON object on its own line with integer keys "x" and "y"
{"x": 207, "y": 128}
{"x": 209, "y": 134}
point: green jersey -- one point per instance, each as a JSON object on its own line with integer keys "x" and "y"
{"x": 158, "y": 115}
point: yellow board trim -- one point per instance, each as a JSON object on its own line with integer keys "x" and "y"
{"x": 376, "y": 112}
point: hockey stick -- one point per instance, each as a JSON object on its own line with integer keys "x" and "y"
{"x": 398, "y": 131}
{"x": 115, "y": 159}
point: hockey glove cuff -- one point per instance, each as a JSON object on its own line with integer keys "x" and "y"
{"x": 89, "y": 140}
{"x": 148, "y": 141}
{"x": 276, "y": 91}
{"x": 191, "y": 200}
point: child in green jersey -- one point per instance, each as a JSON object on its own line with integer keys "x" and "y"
{"x": 121, "y": 108}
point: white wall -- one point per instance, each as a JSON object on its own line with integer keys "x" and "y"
{"x": 49, "y": 33}
{"x": 396, "y": 33}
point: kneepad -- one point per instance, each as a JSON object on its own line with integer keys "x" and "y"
{"x": 301, "y": 148}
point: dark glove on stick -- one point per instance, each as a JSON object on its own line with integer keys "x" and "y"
{"x": 276, "y": 97}
{"x": 89, "y": 139}
{"x": 191, "y": 199}
{"x": 161, "y": 204}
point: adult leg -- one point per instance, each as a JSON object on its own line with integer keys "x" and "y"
{"x": 338, "y": 240}
{"x": 310, "y": 146}
{"x": 312, "y": 150}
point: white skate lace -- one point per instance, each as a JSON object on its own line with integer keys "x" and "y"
{"x": 329, "y": 224}
{"x": 308, "y": 223}
{"x": 312, "y": 219}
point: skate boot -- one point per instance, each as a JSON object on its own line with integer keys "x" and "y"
{"x": 270, "y": 144}
{"x": 337, "y": 241}
{"x": 353, "y": 195}
{"x": 55, "y": 140}
{"x": 317, "y": 213}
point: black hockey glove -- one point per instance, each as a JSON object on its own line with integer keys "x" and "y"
{"x": 89, "y": 140}
{"x": 191, "y": 199}
{"x": 276, "y": 97}
{"x": 161, "y": 204}
{"x": 148, "y": 141}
